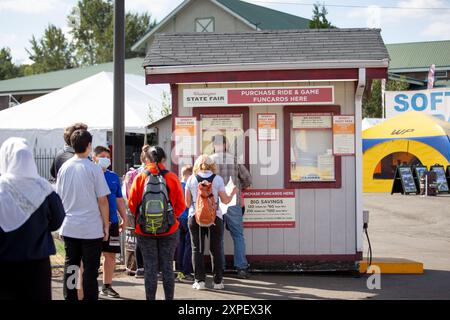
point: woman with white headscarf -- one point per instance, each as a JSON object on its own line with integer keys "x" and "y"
{"x": 29, "y": 211}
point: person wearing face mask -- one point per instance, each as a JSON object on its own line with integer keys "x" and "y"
{"x": 102, "y": 157}
{"x": 84, "y": 192}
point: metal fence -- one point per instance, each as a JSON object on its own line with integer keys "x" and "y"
{"x": 44, "y": 159}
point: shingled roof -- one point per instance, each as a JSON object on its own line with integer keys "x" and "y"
{"x": 266, "y": 46}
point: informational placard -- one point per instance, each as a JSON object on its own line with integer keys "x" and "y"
{"x": 271, "y": 208}
{"x": 418, "y": 172}
{"x": 311, "y": 121}
{"x": 225, "y": 97}
{"x": 404, "y": 181}
{"x": 442, "y": 185}
{"x": 185, "y": 136}
{"x": 344, "y": 135}
{"x": 325, "y": 164}
{"x": 221, "y": 121}
{"x": 267, "y": 126}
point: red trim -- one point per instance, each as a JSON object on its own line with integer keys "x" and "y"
{"x": 376, "y": 73}
{"x": 174, "y": 91}
{"x": 261, "y": 75}
{"x": 335, "y": 109}
{"x": 257, "y": 126}
{"x": 302, "y": 258}
{"x": 196, "y": 112}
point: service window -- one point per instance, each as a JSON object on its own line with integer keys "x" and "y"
{"x": 229, "y": 125}
{"x": 310, "y": 159}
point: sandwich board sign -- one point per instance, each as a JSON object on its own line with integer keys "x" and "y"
{"x": 442, "y": 184}
{"x": 403, "y": 181}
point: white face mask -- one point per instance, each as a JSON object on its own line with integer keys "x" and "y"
{"x": 104, "y": 162}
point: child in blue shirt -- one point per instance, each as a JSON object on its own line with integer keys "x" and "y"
{"x": 184, "y": 250}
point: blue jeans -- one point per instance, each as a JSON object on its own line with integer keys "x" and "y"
{"x": 234, "y": 220}
{"x": 184, "y": 258}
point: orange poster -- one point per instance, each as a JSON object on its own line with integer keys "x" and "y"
{"x": 267, "y": 126}
{"x": 344, "y": 135}
{"x": 185, "y": 136}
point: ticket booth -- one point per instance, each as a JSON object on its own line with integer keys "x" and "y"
{"x": 289, "y": 104}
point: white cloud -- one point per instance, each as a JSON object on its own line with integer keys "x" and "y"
{"x": 438, "y": 30}
{"x": 28, "y": 7}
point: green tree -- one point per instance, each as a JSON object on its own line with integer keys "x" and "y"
{"x": 8, "y": 69}
{"x": 372, "y": 105}
{"x": 51, "y": 52}
{"x": 319, "y": 19}
{"x": 92, "y": 28}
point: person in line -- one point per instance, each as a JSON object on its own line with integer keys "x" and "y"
{"x": 158, "y": 249}
{"x": 84, "y": 193}
{"x": 29, "y": 211}
{"x": 205, "y": 170}
{"x": 228, "y": 167}
{"x": 67, "y": 152}
{"x": 102, "y": 156}
{"x": 184, "y": 246}
{"x": 129, "y": 178}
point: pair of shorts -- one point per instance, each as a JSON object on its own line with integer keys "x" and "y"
{"x": 113, "y": 243}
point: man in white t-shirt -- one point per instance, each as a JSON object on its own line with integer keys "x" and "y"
{"x": 83, "y": 190}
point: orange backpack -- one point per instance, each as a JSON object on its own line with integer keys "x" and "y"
{"x": 205, "y": 206}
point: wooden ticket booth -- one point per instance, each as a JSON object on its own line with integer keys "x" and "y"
{"x": 289, "y": 103}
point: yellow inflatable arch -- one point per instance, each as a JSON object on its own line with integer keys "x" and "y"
{"x": 425, "y": 153}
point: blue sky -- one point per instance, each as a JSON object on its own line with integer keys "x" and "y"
{"x": 20, "y": 19}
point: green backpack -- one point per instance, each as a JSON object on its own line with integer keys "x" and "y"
{"x": 156, "y": 212}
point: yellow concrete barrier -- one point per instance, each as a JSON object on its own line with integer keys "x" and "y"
{"x": 393, "y": 266}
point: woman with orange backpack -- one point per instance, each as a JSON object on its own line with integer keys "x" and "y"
{"x": 203, "y": 190}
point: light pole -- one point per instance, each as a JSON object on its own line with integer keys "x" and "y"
{"x": 119, "y": 89}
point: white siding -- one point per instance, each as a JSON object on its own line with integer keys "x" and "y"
{"x": 325, "y": 218}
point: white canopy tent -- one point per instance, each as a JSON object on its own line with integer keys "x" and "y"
{"x": 42, "y": 120}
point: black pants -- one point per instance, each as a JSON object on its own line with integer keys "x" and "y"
{"x": 88, "y": 251}
{"x": 139, "y": 258}
{"x": 25, "y": 281}
{"x": 198, "y": 235}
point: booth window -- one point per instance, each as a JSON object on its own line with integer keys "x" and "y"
{"x": 310, "y": 160}
{"x": 232, "y": 125}
{"x": 385, "y": 169}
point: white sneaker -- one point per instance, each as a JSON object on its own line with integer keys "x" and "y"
{"x": 219, "y": 286}
{"x": 199, "y": 285}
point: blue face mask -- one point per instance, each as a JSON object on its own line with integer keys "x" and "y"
{"x": 104, "y": 163}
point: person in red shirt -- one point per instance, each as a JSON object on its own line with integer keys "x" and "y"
{"x": 158, "y": 248}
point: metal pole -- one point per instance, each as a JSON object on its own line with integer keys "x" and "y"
{"x": 119, "y": 88}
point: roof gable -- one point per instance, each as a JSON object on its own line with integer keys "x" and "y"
{"x": 265, "y": 18}
{"x": 258, "y": 17}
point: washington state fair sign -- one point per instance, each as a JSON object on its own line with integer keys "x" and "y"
{"x": 227, "y": 97}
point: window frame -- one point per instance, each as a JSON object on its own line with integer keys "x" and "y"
{"x": 287, "y": 110}
{"x": 213, "y": 23}
{"x": 198, "y": 111}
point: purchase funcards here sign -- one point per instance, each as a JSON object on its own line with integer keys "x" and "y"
{"x": 222, "y": 97}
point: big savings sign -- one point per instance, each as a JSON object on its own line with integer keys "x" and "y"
{"x": 434, "y": 102}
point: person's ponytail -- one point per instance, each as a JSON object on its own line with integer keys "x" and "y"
{"x": 156, "y": 154}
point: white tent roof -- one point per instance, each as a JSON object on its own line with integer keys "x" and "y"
{"x": 89, "y": 101}
{"x": 370, "y": 122}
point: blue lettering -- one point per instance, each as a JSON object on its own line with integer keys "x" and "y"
{"x": 435, "y": 100}
{"x": 416, "y": 97}
{"x": 402, "y": 102}
{"x": 447, "y": 93}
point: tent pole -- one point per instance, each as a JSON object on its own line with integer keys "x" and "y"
{"x": 119, "y": 96}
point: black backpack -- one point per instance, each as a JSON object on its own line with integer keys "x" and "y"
{"x": 155, "y": 215}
